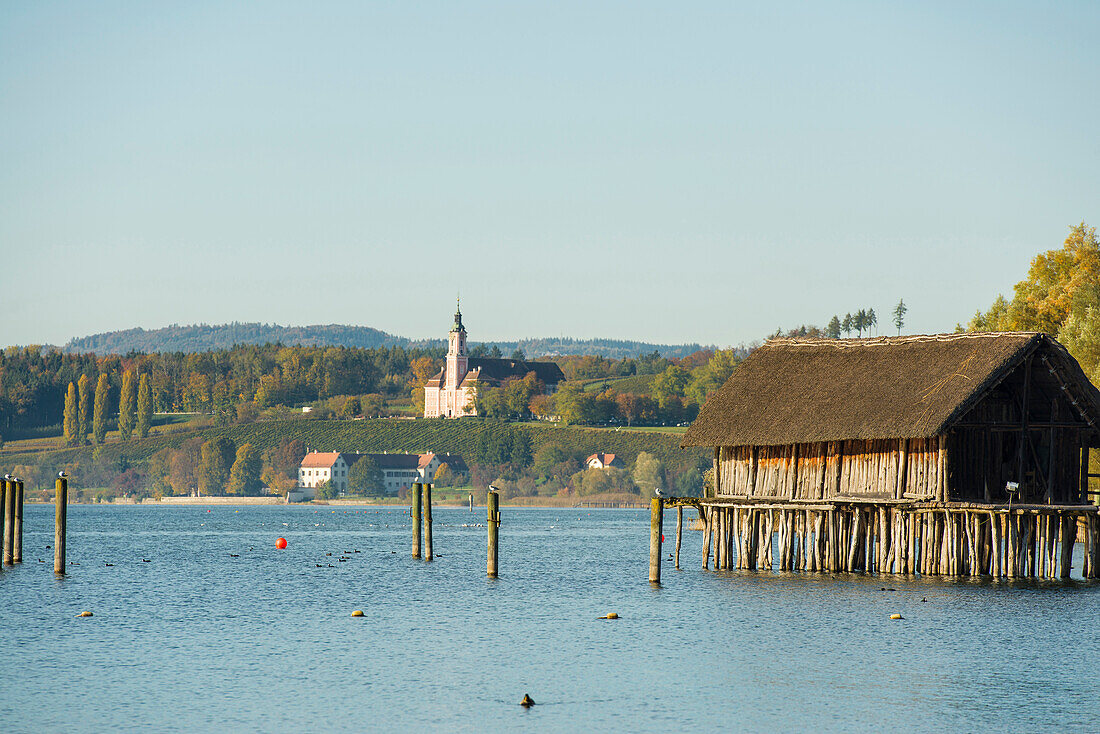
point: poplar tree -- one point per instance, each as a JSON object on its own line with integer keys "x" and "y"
{"x": 899, "y": 315}
{"x": 71, "y": 424}
{"x": 244, "y": 477}
{"x": 126, "y": 406}
{"x": 99, "y": 415}
{"x": 84, "y": 408}
{"x": 144, "y": 407}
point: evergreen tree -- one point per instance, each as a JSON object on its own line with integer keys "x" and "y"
{"x": 71, "y": 422}
{"x": 244, "y": 477}
{"x": 99, "y": 414}
{"x": 365, "y": 477}
{"x": 833, "y": 329}
{"x": 899, "y": 315}
{"x": 859, "y": 322}
{"x": 847, "y": 325}
{"x": 218, "y": 456}
{"x": 84, "y": 408}
{"x": 871, "y": 319}
{"x": 144, "y": 407}
{"x": 126, "y": 406}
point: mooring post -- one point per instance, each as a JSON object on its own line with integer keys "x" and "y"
{"x": 471, "y": 503}
{"x": 416, "y": 497}
{"x": 9, "y": 520}
{"x": 428, "y": 522}
{"x": 494, "y": 527}
{"x": 679, "y": 531}
{"x": 61, "y": 506}
{"x": 17, "y": 552}
{"x": 656, "y": 514}
{"x": 4, "y": 482}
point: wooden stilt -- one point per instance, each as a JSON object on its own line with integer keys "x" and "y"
{"x": 493, "y": 522}
{"x": 679, "y": 531}
{"x": 61, "y": 507}
{"x": 417, "y": 497}
{"x": 4, "y": 490}
{"x": 17, "y": 552}
{"x": 707, "y": 516}
{"x": 656, "y": 518}
{"x": 9, "y": 520}
{"x": 1068, "y": 526}
{"x": 428, "y": 555}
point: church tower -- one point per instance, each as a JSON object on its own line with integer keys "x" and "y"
{"x": 457, "y": 361}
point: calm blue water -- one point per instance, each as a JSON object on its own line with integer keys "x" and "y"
{"x": 197, "y": 640}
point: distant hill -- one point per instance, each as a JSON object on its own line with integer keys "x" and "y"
{"x": 205, "y": 338}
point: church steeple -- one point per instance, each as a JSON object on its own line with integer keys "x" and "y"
{"x": 456, "y": 344}
{"x": 458, "y": 317}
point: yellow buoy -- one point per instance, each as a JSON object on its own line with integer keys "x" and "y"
{"x": 611, "y": 615}
{"x": 357, "y": 613}
{"x": 896, "y": 616}
{"x": 84, "y": 614}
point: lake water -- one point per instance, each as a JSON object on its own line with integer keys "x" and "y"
{"x": 198, "y": 640}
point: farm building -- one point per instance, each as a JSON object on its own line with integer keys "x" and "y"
{"x": 961, "y": 454}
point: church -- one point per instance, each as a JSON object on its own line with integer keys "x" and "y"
{"x": 451, "y": 392}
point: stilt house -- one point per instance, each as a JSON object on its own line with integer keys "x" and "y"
{"x": 858, "y": 451}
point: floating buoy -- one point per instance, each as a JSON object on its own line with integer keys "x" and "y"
{"x": 610, "y": 615}
{"x": 527, "y": 701}
{"x": 896, "y": 616}
{"x": 280, "y": 543}
{"x": 84, "y": 614}
{"x": 357, "y": 613}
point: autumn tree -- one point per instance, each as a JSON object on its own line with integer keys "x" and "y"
{"x": 71, "y": 424}
{"x": 244, "y": 476}
{"x": 648, "y": 474}
{"x": 1060, "y": 296}
{"x": 126, "y": 406}
{"x": 670, "y": 384}
{"x": 144, "y": 407}
{"x": 99, "y": 414}
{"x": 84, "y": 415}
{"x": 443, "y": 476}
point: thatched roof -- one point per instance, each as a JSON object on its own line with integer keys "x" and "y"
{"x": 808, "y": 390}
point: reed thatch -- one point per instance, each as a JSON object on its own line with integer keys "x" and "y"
{"x": 809, "y": 390}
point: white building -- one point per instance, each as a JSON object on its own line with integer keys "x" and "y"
{"x": 399, "y": 471}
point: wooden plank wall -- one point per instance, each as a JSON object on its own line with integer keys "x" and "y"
{"x": 854, "y": 468}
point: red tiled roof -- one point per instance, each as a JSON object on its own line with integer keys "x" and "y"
{"x": 319, "y": 460}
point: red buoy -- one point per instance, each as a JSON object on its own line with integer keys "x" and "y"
{"x": 280, "y": 543}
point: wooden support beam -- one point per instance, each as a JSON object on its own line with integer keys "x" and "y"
{"x": 656, "y": 519}
{"x": 417, "y": 497}
{"x": 61, "y": 509}
{"x": 493, "y": 522}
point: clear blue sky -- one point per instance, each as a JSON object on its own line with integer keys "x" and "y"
{"x": 667, "y": 172}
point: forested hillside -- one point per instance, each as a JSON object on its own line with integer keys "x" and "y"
{"x": 206, "y": 338}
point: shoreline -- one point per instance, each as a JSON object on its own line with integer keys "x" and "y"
{"x": 177, "y": 502}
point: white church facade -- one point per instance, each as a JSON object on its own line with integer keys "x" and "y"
{"x": 452, "y": 392}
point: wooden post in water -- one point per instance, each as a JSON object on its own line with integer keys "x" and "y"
{"x": 493, "y": 502}
{"x": 471, "y": 503}
{"x": 61, "y": 506}
{"x": 656, "y": 515}
{"x": 17, "y": 552}
{"x": 428, "y": 522}
{"x": 4, "y": 482}
{"x": 679, "y": 531}
{"x": 9, "y": 520}
{"x": 416, "y": 491}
